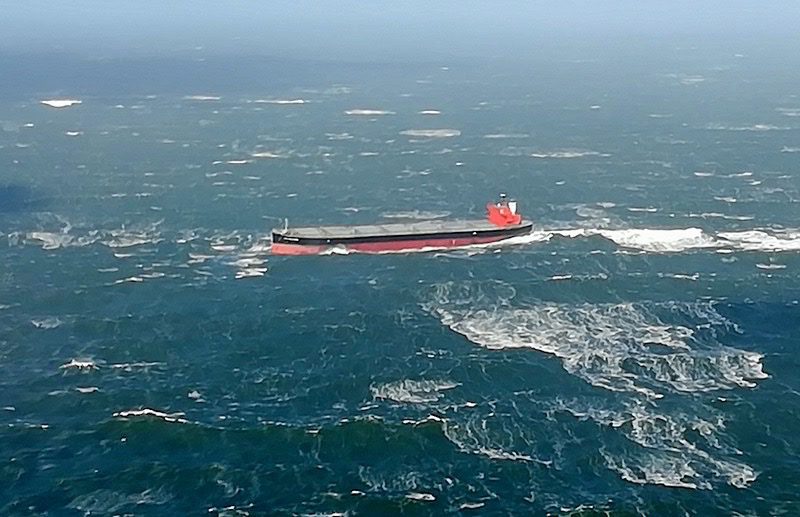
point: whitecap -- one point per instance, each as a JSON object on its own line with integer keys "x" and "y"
{"x": 659, "y": 241}
{"x": 50, "y": 240}
{"x": 151, "y": 413}
{"x": 339, "y": 136}
{"x": 771, "y": 266}
{"x": 753, "y": 127}
{"x": 250, "y": 272}
{"x": 420, "y": 496}
{"x": 567, "y": 154}
{"x": 368, "y": 112}
{"x": 763, "y": 240}
{"x": 281, "y": 102}
{"x": 129, "y": 367}
{"x": 202, "y": 98}
{"x": 498, "y": 136}
{"x": 268, "y": 154}
{"x": 130, "y": 279}
{"x": 429, "y": 112}
{"x": 87, "y": 389}
{"x": 86, "y": 364}
{"x": 61, "y": 103}
{"x": 431, "y": 133}
{"x": 46, "y": 323}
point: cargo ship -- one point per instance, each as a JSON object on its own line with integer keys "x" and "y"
{"x": 502, "y": 222}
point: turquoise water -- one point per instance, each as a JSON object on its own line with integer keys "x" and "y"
{"x": 635, "y": 354}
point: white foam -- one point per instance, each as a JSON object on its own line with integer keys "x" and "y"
{"x": 789, "y": 112}
{"x": 412, "y": 391}
{"x": 420, "y": 496}
{"x": 567, "y": 154}
{"x": 202, "y": 98}
{"x": 430, "y": 112}
{"x": 251, "y": 272}
{"x": 76, "y": 364}
{"x": 659, "y": 241}
{"x": 50, "y": 240}
{"x": 131, "y": 279}
{"x": 87, "y": 389}
{"x": 73, "y": 133}
{"x": 677, "y": 450}
{"x": 790, "y": 149}
{"x": 368, "y": 112}
{"x": 753, "y": 127}
{"x": 771, "y": 266}
{"x": 268, "y": 154}
{"x": 61, "y": 103}
{"x": 339, "y": 136}
{"x": 281, "y": 102}
{"x": 764, "y": 240}
{"x": 147, "y": 412}
{"x": 46, "y": 323}
{"x": 626, "y": 348}
{"x": 129, "y": 367}
{"x": 431, "y": 133}
{"x": 498, "y": 136}
{"x": 477, "y": 435}
{"x": 618, "y": 347}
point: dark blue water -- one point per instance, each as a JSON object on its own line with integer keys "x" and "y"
{"x": 635, "y": 354}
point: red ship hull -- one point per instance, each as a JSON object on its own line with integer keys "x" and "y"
{"x": 279, "y": 248}
{"x": 502, "y": 223}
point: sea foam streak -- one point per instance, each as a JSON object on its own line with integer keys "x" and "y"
{"x": 645, "y": 350}
{"x": 619, "y": 347}
{"x": 431, "y": 133}
{"x": 412, "y": 391}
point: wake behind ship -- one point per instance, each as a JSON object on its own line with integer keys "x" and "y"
{"x": 502, "y": 222}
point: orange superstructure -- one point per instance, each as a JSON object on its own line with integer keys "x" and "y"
{"x": 504, "y": 212}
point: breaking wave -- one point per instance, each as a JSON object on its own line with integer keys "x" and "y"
{"x": 762, "y": 240}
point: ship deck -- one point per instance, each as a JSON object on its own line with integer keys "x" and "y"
{"x": 395, "y": 229}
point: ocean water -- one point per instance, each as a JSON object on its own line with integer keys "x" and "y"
{"x": 636, "y": 354}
